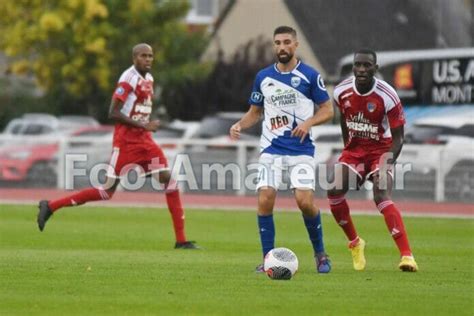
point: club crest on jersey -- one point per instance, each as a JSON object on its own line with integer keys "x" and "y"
{"x": 256, "y": 97}
{"x": 120, "y": 91}
{"x": 371, "y": 107}
{"x": 295, "y": 81}
{"x": 321, "y": 84}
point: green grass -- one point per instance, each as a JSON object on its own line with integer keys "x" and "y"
{"x": 120, "y": 261}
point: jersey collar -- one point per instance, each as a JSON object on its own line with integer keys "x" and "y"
{"x": 138, "y": 73}
{"x": 288, "y": 72}
{"x": 365, "y": 94}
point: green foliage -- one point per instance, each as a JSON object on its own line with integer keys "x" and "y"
{"x": 76, "y": 49}
{"x": 226, "y": 88}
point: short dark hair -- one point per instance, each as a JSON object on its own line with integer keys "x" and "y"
{"x": 368, "y": 52}
{"x": 284, "y": 30}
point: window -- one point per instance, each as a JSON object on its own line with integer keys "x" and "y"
{"x": 202, "y": 12}
{"x": 466, "y": 130}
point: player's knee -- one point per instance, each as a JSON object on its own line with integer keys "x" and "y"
{"x": 107, "y": 194}
{"x": 305, "y": 204}
{"x": 379, "y": 197}
{"x": 266, "y": 201}
{"x": 164, "y": 177}
{"x": 335, "y": 192}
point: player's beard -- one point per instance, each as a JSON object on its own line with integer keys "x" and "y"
{"x": 284, "y": 58}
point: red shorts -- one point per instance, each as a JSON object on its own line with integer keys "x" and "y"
{"x": 364, "y": 166}
{"x": 145, "y": 158}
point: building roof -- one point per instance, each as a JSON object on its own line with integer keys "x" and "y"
{"x": 336, "y": 28}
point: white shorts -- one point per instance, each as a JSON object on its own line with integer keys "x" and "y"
{"x": 301, "y": 171}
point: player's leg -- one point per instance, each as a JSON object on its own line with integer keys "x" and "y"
{"x": 269, "y": 179}
{"x": 312, "y": 220}
{"x": 266, "y": 225}
{"x": 382, "y": 197}
{"x": 303, "y": 179}
{"x": 341, "y": 179}
{"x": 47, "y": 208}
{"x": 175, "y": 207}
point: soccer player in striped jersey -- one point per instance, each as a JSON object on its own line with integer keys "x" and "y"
{"x": 372, "y": 123}
{"x": 133, "y": 146}
{"x": 287, "y": 93}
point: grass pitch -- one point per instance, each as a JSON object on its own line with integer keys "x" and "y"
{"x": 119, "y": 261}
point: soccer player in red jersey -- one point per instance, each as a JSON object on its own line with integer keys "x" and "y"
{"x": 132, "y": 146}
{"x": 372, "y": 123}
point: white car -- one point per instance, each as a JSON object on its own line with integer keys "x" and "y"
{"x": 443, "y": 144}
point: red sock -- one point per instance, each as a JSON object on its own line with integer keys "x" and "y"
{"x": 177, "y": 214}
{"x": 87, "y": 195}
{"x": 394, "y": 222}
{"x": 340, "y": 211}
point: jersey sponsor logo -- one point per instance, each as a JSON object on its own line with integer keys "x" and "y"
{"x": 256, "y": 97}
{"x": 141, "y": 108}
{"x": 321, "y": 84}
{"x": 371, "y": 107}
{"x": 295, "y": 81}
{"x": 360, "y": 127}
{"x": 279, "y": 121}
{"x": 283, "y": 98}
{"x": 119, "y": 91}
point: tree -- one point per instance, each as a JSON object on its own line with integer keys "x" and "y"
{"x": 228, "y": 86}
{"x": 76, "y": 49}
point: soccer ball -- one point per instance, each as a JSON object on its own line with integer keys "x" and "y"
{"x": 280, "y": 264}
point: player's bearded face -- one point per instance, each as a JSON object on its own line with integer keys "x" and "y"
{"x": 284, "y": 46}
{"x": 284, "y": 56}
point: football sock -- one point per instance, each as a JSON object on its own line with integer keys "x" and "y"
{"x": 79, "y": 198}
{"x": 266, "y": 228}
{"x": 340, "y": 211}
{"x": 315, "y": 232}
{"x": 395, "y": 226}
{"x": 177, "y": 214}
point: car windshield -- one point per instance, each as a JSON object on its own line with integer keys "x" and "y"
{"x": 419, "y": 134}
{"x": 329, "y": 138}
{"x": 218, "y": 126}
{"x": 93, "y": 133}
{"x": 167, "y": 132}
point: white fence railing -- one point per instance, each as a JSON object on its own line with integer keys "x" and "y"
{"x": 448, "y": 168}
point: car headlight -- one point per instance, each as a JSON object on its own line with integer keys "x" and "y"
{"x": 19, "y": 155}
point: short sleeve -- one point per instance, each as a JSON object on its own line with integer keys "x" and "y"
{"x": 396, "y": 116}
{"x": 256, "y": 97}
{"x": 319, "y": 93}
{"x": 122, "y": 91}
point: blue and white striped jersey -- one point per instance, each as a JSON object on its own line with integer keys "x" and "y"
{"x": 288, "y": 99}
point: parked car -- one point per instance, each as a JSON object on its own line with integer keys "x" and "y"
{"x": 440, "y": 129}
{"x": 451, "y": 152}
{"x": 41, "y": 123}
{"x": 36, "y": 163}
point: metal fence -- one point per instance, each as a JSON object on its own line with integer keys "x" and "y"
{"x": 431, "y": 172}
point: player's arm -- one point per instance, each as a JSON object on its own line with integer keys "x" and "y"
{"x": 322, "y": 115}
{"x": 249, "y": 119}
{"x": 116, "y": 115}
{"x": 345, "y": 133}
{"x": 396, "y": 121}
{"x": 397, "y": 144}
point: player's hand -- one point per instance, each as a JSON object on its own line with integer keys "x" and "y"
{"x": 301, "y": 131}
{"x": 152, "y": 126}
{"x": 234, "y": 131}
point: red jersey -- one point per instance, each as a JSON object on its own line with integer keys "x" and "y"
{"x": 369, "y": 116}
{"x": 136, "y": 92}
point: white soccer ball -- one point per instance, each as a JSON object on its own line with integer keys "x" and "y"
{"x": 280, "y": 264}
